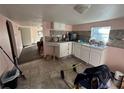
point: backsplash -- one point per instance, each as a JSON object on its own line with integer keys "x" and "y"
{"x": 116, "y": 38}
{"x": 116, "y": 34}
{"x": 83, "y": 35}
{"x": 57, "y": 32}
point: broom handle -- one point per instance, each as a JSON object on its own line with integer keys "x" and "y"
{"x": 10, "y": 59}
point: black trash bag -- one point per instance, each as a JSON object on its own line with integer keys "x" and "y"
{"x": 99, "y": 75}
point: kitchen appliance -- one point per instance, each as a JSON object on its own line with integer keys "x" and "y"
{"x": 55, "y": 39}
{"x": 72, "y": 36}
{"x": 63, "y": 37}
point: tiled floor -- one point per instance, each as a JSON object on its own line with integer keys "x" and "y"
{"x": 42, "y": 74}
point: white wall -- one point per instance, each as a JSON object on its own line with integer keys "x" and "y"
{"x": 26, "y": 36}
{"x": 34, "y": 34}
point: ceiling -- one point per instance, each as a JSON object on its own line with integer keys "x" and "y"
{"x": 34, "y": 14}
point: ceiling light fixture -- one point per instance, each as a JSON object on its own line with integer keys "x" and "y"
{"x": 81, "y": 8}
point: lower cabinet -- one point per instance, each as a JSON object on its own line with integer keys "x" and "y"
{"x": 70, "y": 48}
{"x": 85, "y": 53}
{"x": 97, "y": 57}
{"x": 73, "y": 48}
{"x": 77, "y": 48}
{"x": 93, "y": 56}
{"x": 64, "y": 49}
{"x": 88, "y": 54}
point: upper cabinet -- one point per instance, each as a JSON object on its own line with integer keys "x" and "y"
{"x": 60, "y": 26}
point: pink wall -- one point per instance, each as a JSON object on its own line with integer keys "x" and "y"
{"x": 68, "y": 27}
{"x": 46, "y": 32}
{"x": 5, "y": 63}
{"x": 115, "y": 24}
{"x": 115, "y": 56}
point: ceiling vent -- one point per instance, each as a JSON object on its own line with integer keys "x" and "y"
{"x": 81, "y": 8}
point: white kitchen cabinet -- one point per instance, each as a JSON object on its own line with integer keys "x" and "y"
{"x": 73, "y": 48}
{"x": 58, "y": 26}
{"x": 97, "y": 57}
{"x": 77, "y": 48}
{"x": 64, "y": 49}
{"x": 85, "y": 53}
{"x": 91, "y": 55}
{"x": 69, "y": 48}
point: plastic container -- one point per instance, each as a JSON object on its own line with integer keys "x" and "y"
{"x": 118, "y": 79}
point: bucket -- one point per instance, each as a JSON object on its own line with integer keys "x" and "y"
{"x": 118, "y": 78}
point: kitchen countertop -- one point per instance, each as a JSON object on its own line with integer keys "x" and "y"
{"x": 84, "y": 44}
{"x": 92, "y": 46}
{"x": 57, "y": 43}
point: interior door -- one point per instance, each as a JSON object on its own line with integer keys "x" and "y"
{"x": 26, "y": 36}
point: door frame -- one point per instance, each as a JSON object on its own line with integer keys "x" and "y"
{"x": 11, "y": 35}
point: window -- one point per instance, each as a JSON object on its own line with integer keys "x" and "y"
{"x": 39, "y": 34}
{"x": 100, "y": 33}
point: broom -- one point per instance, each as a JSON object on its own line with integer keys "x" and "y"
{"x": 21, "y": 73}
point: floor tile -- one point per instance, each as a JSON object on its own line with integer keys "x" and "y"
{"x": 43, "y": 74}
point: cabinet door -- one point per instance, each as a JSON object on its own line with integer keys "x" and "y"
{"x": 70, "y": 48}
{"x": 77, "y": 50}
{"x": 63, "y": 49}
{"x": 73, "y": 48}
{"x": 59, "y": 26}
{"x": 85, "y": 54}
{"x": 95, "y": 57}
{"x": 56, "y": 25}
{"x": 62, "y": 26}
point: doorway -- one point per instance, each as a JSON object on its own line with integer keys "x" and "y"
{"x": 30, "y": 38}
{"x": 26, "y": 36}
